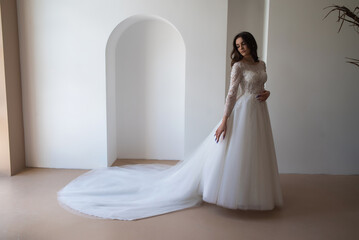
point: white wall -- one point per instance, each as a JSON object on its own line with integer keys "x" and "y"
{"x": 150, "y": 92}
{"x": 314, "y": 103}
{"x": 63, "y": 70}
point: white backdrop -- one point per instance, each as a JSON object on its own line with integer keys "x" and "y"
{"x": 150, "y": 87}
{"x": 63, "y": 66}
{"x": 313, "y": 105}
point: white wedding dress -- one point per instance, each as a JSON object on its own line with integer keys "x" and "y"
{"x": 238, "y": 172}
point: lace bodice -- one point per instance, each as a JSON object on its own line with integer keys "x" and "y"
{"x": 247, "y": 78}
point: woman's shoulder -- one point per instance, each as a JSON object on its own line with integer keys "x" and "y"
{"x": 263, "y": 64}
{"x": 238, "y": 64}
{"x": 241, "y": 64}
{"x": 242, "y": 61}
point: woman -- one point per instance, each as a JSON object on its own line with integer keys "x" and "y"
{"x": 246, "y": 177}
{"x": 237, "y": 171}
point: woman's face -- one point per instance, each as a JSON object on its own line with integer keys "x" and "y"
{"x": 242, "y": 47}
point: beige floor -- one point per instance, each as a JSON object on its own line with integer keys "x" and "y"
{"x": 316, "y": 207}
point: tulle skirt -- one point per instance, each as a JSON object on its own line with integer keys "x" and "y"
{"x": 238, "y": 172}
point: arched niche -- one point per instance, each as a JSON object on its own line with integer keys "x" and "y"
{"x": 145, "y": 74}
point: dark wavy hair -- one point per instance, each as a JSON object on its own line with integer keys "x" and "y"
{"x": 251, "y": 43}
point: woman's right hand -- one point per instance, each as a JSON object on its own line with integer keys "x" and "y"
{"x": 221, "y": 129}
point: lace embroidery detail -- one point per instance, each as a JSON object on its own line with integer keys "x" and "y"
{"x": 247, "y": 78}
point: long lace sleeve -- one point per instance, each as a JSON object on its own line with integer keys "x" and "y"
{"x": 236, "y": 78}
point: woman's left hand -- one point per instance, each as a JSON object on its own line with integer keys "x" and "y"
{"x": 263, "y": 96}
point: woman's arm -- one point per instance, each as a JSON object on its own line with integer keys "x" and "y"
{"x": 233, "y": 89}
{"x": 230, "y": 100}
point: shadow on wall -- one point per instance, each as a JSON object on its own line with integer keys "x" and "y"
{"x": 145, "y": 74}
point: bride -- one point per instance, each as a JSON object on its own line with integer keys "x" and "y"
{"x": 237, "y": 169}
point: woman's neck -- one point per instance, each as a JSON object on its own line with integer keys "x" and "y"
{"x": 248, "y": 59}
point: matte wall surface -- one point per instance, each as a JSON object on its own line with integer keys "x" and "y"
{"x": 5, "y": 164}
{"x": 12, "y": 152}
{"x": 63, "y": 65}
{"x": 150, "y": 84}
{"x": 314, "y": 103}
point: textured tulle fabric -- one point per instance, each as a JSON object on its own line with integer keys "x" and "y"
{"x": 239, "y": 172}
{"x": 243, "y": 172}
{"x": 135, "y": 191}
